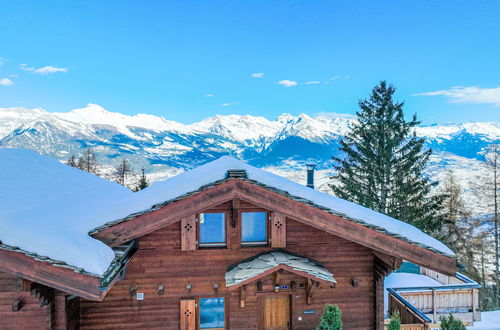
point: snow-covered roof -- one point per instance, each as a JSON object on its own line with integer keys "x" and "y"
{"x": 258, "y": 265}
{"x": 49, "y": 208}
{"x": 216, "y": 170}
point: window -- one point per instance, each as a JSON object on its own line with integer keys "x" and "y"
{"x": 212, "y": 229}
{"x": 211, "y": 313}
{"x": 253, "y": 228}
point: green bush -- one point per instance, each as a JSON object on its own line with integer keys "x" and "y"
{"x": 331, "y": 319}
{"x": 451, "y": 323}
{"x": 395, "y": 323}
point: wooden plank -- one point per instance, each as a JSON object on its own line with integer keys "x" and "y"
{"x": 188, "y": 314}
{"x": 278, "y": 230}
{"x": 188, "y": 233}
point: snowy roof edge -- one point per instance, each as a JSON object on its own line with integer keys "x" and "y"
{"x": 279, "y": 191}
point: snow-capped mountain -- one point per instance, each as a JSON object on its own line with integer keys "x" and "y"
{"x": 166, "y": 147}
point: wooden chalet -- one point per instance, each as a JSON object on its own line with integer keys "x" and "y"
{"x": 224, "y": 246}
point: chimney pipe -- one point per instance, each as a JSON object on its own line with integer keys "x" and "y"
{"x": 310, "y": 175}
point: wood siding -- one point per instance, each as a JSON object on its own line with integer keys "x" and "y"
{"x": 160, "y": 261}
{"x": 30, "y": 315}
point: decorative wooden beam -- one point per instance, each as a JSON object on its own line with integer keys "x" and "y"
{"x": 309, "y": 290}
{"x": 44, "y": 294}
{"x": 236, "y": 207}
{"x": 17, "y": 305}
{"x": 243, "y": 296}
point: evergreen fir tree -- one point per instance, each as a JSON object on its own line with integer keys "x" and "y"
{"x": 451, "y": 323}
{"x": 384, "y": 162}
{"x": 143, "y": 182}
{"x": 395, "y": 322}
{"x": 331, "y": 319}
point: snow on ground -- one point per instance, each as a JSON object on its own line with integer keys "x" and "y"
{"x": 489, "y": 321}
{"x": 48, "y": 208}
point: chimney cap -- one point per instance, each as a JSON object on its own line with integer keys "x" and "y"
{"x": 310, "y": 166}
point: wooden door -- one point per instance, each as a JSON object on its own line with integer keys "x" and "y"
{"x": 275, "y": 313}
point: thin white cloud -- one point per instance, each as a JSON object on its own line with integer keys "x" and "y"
{"x": 227, "y": 104}
{"x": 338, "y": 77}
{"x": 288, "y": 83}
{"x": 257, "y": 75}
{"x": 6, "y": 82}
{"x": 209, "y": 95}
{"x": 312, "y": 82}
{"x": 471, "y": 94}
{"x": 45, "y": 70}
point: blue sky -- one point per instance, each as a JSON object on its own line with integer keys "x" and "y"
{"x": 187, "y": 60}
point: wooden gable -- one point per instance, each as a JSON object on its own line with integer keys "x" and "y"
{"x": 279, "y": 204}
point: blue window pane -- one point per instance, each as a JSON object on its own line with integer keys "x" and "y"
{"x": 211, "y": 313}
{"x": 254, "y": 227}
{"x": 212, "y": 228}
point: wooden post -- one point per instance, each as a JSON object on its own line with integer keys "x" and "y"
{"x": 236, "y": 206}
{"x": 243, "y": 296}
{"x": 309, "y": 290}
{"x": 434, "y": 309}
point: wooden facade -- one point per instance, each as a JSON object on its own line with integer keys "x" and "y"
{"x": 162, "y": 285}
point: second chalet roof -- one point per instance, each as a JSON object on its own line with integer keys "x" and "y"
{"x": 256, "y": 266}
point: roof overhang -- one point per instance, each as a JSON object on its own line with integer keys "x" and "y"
{"x": 118, "y": 232}
{"x": 64, "y": 277}
{"x": 250, "y": 270}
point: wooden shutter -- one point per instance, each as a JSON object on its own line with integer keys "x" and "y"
{"x": 278, "y": 230}
{"x": 188, "y": 314}
{"x": 188, "y": 233}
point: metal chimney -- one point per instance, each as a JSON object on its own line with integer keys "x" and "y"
{"x": 310, "y": 175}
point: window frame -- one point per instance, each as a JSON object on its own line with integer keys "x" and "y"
{"x": 198, "y": 311}
{"x": 268, "y": 227}
{"x": 226, "y": 234}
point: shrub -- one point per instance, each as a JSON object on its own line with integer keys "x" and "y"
{"x": 395, "y": 323}
{"x": 331, "y": 319}
{"x": 451, "y": 323}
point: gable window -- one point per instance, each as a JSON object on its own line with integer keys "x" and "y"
{"x": 211, "y": 313}
{"x": 212, "y": 230}
{"x": 254, "y": 228}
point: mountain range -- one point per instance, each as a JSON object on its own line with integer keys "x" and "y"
{"x": 283, "y": 145}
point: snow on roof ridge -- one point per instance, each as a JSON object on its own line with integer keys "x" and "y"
{"x": 216, "y": 170}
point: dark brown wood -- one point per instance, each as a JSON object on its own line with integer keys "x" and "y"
{"x": 60, "y": 278}
{"x": 278, "y": 230}
{"x": 188, "y": 233}
{"x": 159, "y": 259}
{"x": 236, "y": 207}
{"x": 275, "y": 202}
{"x": 16, "y": 305}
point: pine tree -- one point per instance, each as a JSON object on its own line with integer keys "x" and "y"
{"x": 88, "y": 162}
{"x": 455, "y": 215}
{"x": 143, "y": 182}
{"x": 384, "y": 162}
{"x": 331, "y": 319}
{"x": 451, "y": 323}
{"x": 122, "y": 171}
